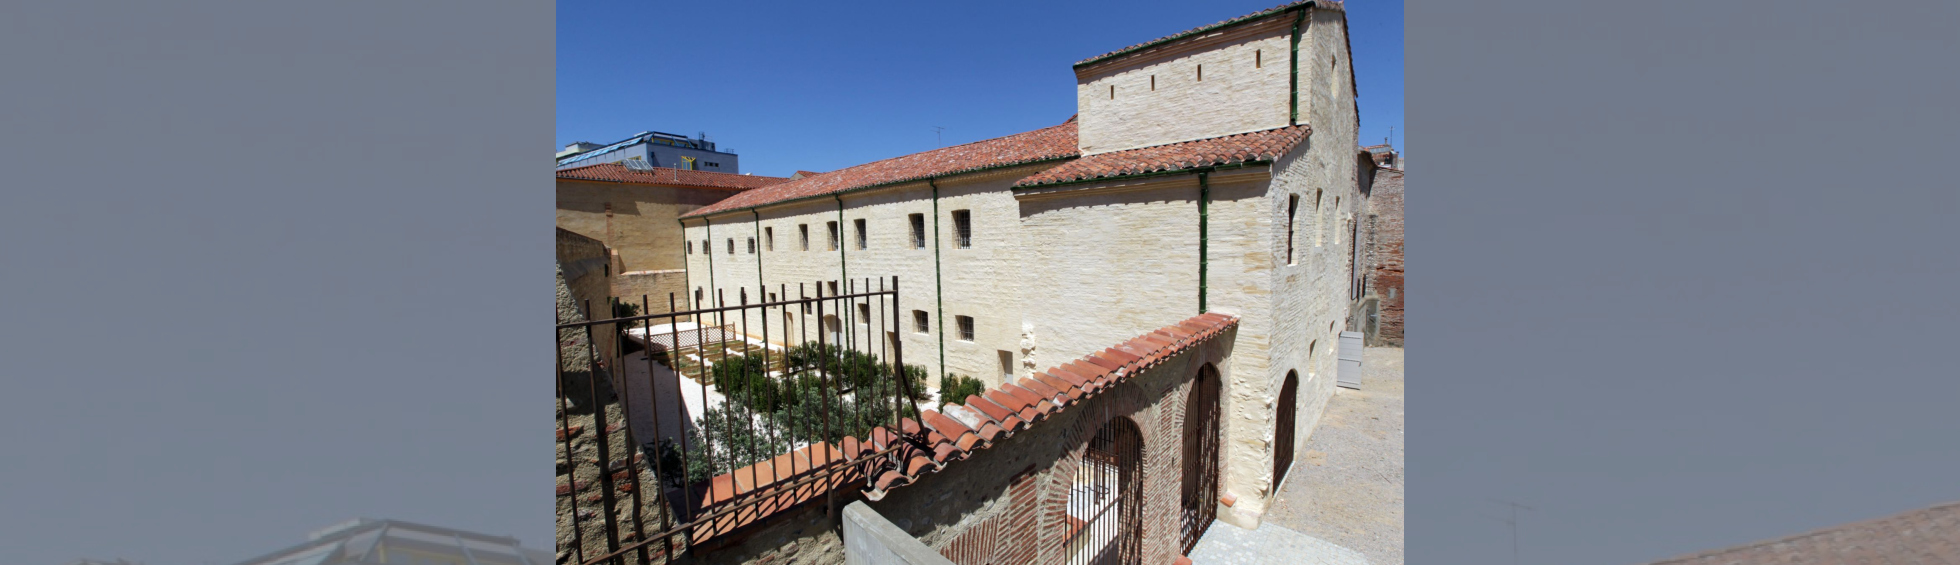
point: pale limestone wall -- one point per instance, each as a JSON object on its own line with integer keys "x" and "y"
{"x": 1111, "y": 261}
{"x": 976, "y": 281}
{"x": 1244, "y": 89}
{"x": 642, "y": 228}
{"x": 1309, "y": 296}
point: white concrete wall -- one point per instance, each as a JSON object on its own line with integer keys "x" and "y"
{"x": 975, "y": 283}
{"x": 1244, "y": 89}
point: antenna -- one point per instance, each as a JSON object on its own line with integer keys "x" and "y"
{"x": 1513, "y": 522}
{"x": 939, "y": 133}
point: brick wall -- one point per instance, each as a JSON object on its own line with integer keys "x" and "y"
{"x": 1382, "y": 261}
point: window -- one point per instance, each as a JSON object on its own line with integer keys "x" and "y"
{"x": 919, "y": 322}
{"x": 1257, "y": 55}
{"x": 962, "y": 229}
{"x": 833, "y": 235}
{"x": 690, "y": 248}
{"x": 860, "y": 233}
{"x": 1007, "y": 366}
{"x": 1318, "y": 231}
{"x": 697, "y": 297}
{"x": 706, "y": 249}
{"x": 918, "y": 231}
{"x": 1112, "y": 92}
{"x": 772, "y": 297}
{"x": 769, "y": 238}
{"x": 864, "y": 314}
{"x": 1292, "y": 209}
{"x": 1201, "y": 73}
{"x": 1153, "y": 83}
{"x": 751, "y": 246}
{"x": 833, "y": 288}
{"x": 804, "y": 231}
{"x": 966, "y": 327}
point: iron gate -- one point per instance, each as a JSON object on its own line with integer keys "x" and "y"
{"x": 1200, "y": 496}
{"x": 1105, "y": 499}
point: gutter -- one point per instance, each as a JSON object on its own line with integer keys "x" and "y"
{"x": 844, "y": 269}
{"x": 760, "y": 286}
{"x": 1152, "y": 174}
{"x": 710, "y": 227}
{"x": 687, "y": 276}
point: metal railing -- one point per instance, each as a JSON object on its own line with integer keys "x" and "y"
{"x": 775, "y": 407}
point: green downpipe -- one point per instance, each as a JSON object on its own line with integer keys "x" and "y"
{"x": 1293, "y": 60}
{"x": 938, "y": 284}
{"x": 849, "y": 315}
{"x": 687, "y": 267}
{"x": 709, "y": 225}
{"x": 760, "y": 287}
{"x": 1204, "y": 236}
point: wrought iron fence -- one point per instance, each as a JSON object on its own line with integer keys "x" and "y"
{"x": 765, "y": 411}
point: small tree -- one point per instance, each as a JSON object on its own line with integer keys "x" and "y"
{"x": 955, "y": 387}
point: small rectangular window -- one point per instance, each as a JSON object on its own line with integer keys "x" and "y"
{"x": 751, "y": 246}
{"x": 918, "y": 231}
{"x": 706, "y": 248}
{"x": 966, "y": 327}
{"x": 860, "y": 233}
{"x": 772, "y": 297}
{"x": 731, "y": 246}
{"x": 803, "y": 231}
{"x": 864, "y": 314}
{"x": 1201, "y": 73}
{"x": 1007, "y": 365}
{"x": 1112, "y": 92}
{"x": 962, "y": 229}
{"x": 697, "y": 296}
{"x": 1292, "y": 210}
{"x": 690, "y": 248}
{"x": 833, "y": 235}
{"x": 769, "y": 238}
{"x": 1153, "y": 83}
{"x": 1257, "y": 55}
{"x": 919, "y": 322}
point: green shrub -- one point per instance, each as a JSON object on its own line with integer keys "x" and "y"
{"x": 955, "y": 388}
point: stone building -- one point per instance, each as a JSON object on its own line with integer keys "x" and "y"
{"x": 632, "y": 210}
{"x": 1378, "y": 303}
{"x": 1152, "y": 291}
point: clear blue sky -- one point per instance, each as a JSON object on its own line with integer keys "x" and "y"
{"x": 811, "y": 86}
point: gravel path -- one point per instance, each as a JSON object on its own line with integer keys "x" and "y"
{"x": 1346, "y": 485}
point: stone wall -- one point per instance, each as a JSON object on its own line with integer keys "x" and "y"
{"x": 655, "y": 286}
{"x": 977, "y": 281}
{"x": 1159, "y": 97}
{"x": 584, "y": 265}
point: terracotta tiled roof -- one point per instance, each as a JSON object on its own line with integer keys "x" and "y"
{"x": 1930, "y": 535}
{"x": 1203, "y": 29}
{"x": 1232, "y": 149}
{"x": 1045, "y": 144}
{"x": 615, "y": 172}
{"x": 984, "y": 419}
{"x": 791, "y": 479}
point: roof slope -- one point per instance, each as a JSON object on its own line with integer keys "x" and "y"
{"x": 1045, "y": 144}
{"x": 1241, "y": 148}
{"x": 1202, "y": 29}
{"x": 1929, "y": 535}
{"x": 615, "y": 172}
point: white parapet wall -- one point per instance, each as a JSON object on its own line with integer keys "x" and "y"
{"x": 870, "y": 539}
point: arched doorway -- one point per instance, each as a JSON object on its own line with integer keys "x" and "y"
{"x": 1283, "y": 437}
{"x": 1105, "y": 499}
{"x": 1200, "y": 497}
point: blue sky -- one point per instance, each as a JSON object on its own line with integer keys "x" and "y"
{"x": 809, "y": 86}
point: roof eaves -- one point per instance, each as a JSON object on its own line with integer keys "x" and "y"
{"x": 704, "y": 212}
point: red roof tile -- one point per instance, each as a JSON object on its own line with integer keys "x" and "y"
{"x": 615, "y": 172}
{"x": 1045, "y": 144}
{"x": 1203, "y": 29}
{"x": 1257, "y": 146}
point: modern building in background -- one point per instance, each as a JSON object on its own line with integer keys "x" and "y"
{"x": 394, "y": 542}
{"x": 656, "y": 149}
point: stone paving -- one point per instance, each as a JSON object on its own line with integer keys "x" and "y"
{"x": 1346, "y": 483}
{"x": 1270, "y": 544}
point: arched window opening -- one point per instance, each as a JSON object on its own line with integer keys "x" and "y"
{"x": 1283, "y": 437}
{"x": 1199, "y": 502}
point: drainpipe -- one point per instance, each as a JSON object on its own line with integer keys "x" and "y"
{"x": 687, "y": 275}
{"x": 759, "y": 248}
{"x": 1204, "y": 235}
{"x": 938, "y": 286}
{"x": 848, "y": 316}
{"x": 1293, "y": 60}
